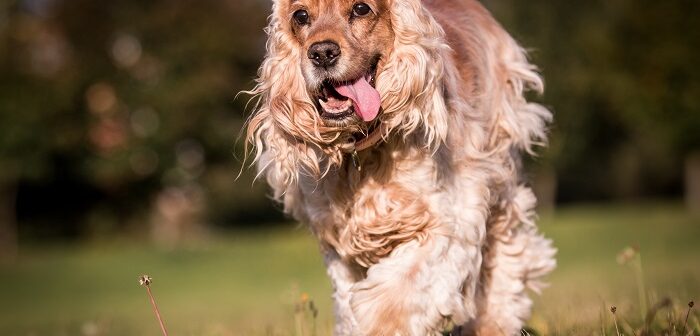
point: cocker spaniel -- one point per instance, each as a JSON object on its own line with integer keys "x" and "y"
{"x": 395, "y": 129}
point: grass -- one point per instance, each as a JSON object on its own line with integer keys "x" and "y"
{"x": 262, "y": 283}
{"x": 589, "y": 280}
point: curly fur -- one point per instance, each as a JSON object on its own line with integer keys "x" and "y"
{"x": 437, "y": 228}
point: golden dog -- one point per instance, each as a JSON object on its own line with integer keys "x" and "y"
{"x": 395, "y": 128}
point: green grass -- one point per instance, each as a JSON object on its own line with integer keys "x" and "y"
{"x": 249, "y": 283}
{"x": 588, "y": 279}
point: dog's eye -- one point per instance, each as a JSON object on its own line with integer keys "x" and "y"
{"x": 361, "y": 9}
{"x": 301, "y": 17}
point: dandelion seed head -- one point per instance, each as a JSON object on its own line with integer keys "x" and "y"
{"x": 145, "y": 280}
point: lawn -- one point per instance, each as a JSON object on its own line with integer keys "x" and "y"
{"x": 248, "y": 283}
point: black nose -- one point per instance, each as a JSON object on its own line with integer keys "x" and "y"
{"x": 324, "y": 54}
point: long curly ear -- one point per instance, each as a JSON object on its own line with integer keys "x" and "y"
{"x": 280, "y": 83}
{"x": 283, "y": 113}
{"x": 509, "y": 74}
{"x": 286, "y": 132}
{"x": 525, "y": 122}
{"x": 412, "y": 80}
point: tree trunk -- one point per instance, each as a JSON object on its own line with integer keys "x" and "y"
{"x": 8, "y": 223}
{"x": 692, "y": 182}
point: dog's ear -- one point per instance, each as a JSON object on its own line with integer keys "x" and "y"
{"x": 285, "y": 130}
{"x": 412, "y": 80}
{"x": 283, "y": 113}
{"x": 281, "y": 159}
{"x": 524, "y": 122}
{"x": 507, "y": 75}
{"x": 280, "y": 82}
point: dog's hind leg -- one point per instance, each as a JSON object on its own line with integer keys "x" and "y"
{"x": 516, "y": 257}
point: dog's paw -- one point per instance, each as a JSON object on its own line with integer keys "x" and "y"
{"x": 380, "y": 309}
{"x": 393, "y": 307}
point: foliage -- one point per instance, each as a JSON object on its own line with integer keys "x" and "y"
{"x": 624, "y": 88}
{"x": 119, "y": 110}
{"x": 116, "y": 114}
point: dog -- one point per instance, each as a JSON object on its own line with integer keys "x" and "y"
{"x": 395, "y": 130}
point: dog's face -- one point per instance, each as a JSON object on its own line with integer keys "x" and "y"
{"x": 343, "y": 43}
{"x": 338, "y": 72}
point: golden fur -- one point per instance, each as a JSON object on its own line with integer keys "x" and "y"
{"x": 436, "y": 227}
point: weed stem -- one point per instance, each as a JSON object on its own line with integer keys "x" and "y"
{"x": 145, "y": 281}
{"x": 687, "y": 314}
{"x": 640, "y": 285}
{"x": 613, "y": 309}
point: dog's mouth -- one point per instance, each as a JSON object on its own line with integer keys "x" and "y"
{"x": 340, "y": 100}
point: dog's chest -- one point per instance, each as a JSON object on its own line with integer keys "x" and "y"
{"x": 364, "y": 216}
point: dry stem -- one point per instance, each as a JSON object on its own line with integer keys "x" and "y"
{"x": 145, "y": 281}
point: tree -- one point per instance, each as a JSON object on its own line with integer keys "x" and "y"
{"x": 114, "y": 103}
{"x": 623, "y": 88}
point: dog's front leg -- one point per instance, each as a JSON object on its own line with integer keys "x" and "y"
{"x": 342, "y": 279}
{"x": 419, "y": 287}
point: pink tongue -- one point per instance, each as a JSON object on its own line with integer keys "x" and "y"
{"x": 364, "y": 97}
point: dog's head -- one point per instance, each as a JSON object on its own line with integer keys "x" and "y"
{"x": 335, "y": 69}
{"x": 342, "y": 43}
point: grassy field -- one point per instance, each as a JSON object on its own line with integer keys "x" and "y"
{"x": 250, "y": 283}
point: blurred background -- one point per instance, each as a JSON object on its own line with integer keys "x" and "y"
{"x": 120, "y": 150}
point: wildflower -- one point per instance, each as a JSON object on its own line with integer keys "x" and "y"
{"x": 145, "y": 280}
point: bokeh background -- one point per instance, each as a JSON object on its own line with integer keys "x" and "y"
{"x": 120, "y": 154}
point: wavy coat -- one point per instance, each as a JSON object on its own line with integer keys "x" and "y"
{"x": 437, "y": 228}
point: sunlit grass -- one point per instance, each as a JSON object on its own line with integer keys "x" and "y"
{"x": 589, "y": 280}
{"x": 250, "y": 283}
{"x": 239, "y": 284}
